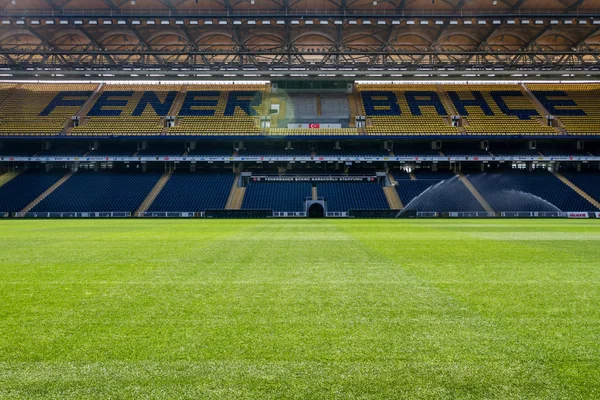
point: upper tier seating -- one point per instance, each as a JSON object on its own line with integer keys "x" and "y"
{"x": 42, "y": 109}
{"x": 345, "y": 196}
{"x": 587, "y": 181}
{"x": 527, "y": 191}
{"x": 220, "y": 110}
{"x": 6, "y": 89}
{"x": 276, "y": 196}
{"x": 405, "y": 110}
{"x": 128, "y": 110}
{"x": 26, "y": 187}
{"x": 301, "y": 106}
{"x": 497, "y": 110}
{"x": 194, "y": 192}
{"x": 577, "y": 106}
{"x": 335, "y": 105}
{"x": 34, "y": 109}
{"x": 104, "y": 191}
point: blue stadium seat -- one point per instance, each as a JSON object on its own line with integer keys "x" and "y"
{"x": 276, "y": 196}
{"x": 105, "y": 191}
{"x": 527, "y": 191}
{"x": 345, "y": 196}
{"x": 587, "y": 181}
{"x": 447, "y": 195}
{"x": 23, "y": 189}
{"x": 194, "y": 192}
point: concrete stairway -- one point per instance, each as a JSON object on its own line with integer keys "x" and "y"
{"x": 542, "y": 110}
{"x": 578, "y": 190}
{"x": 236, "y": 195}
{"x": 315, "y": 195}
{"x": 91, "y": 100}
{"x": 8, "y": 176}
{"x": 483, "y": 202}
{"x": 449, "y": 106}
{"x": 47, "y": 192}
{"x": 85, "y": 108}
{"x": 158, "y": 187}
{"x": 391, "y": 179}
{"x": 392, "y": 197}
{"x": 178, "y": 100}
{"x": 236, "y": 198}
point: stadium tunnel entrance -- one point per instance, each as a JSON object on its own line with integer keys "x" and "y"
{"x": 316, "y": 210}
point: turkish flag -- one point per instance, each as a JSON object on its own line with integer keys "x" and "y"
{"x": 314, "y": 126}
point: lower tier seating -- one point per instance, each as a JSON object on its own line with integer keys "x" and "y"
{"x": 447, "y": 195}
{"x": 528, "y": 191}
{"x": 194, "y": 192}
{"x": 589, "y": 182}
{"x": 22, "y": 190}
{"x": 344, "y": 196}
{"x": 276, "y": 196}
{"x": 105, "y": 191}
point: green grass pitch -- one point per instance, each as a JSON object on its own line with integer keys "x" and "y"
{"x": 299, "y": 309}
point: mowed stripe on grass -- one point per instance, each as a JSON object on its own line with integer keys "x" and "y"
{"x": 304, "y": 309}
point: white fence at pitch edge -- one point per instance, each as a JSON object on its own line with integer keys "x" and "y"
{"x": 510, "y": 214}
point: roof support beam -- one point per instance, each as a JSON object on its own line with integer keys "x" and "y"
{"x": 586, "y": 37}
{"x": 108, "y": 58}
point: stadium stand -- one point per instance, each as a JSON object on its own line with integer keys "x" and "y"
{"x": 450, "y": 195}
{"x": 102, "y": 191}
{"x": 220, "y": 109}
{"x": 497, "y": 110}
{"x": 128, "y": 110}
{"x": 405, "y": 110}
{"x": 527, "y": 191}
{"x": 23, "y": 189}
{"x": 345, "y": 196}
{"x": 335, "y": 105}
{"x": 41, "y": 109}
{"x": 587, "y": 181}
{"x": 194, "y": 192}
{"x": 224, "y": 109}
{"x": 276, "y": 196}
{"x": 301, "y": 106}
{"x": 577, "y": 106}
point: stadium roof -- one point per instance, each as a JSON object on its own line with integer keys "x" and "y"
{"x": 250, "y": 39}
